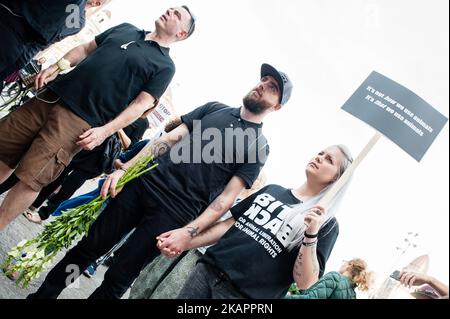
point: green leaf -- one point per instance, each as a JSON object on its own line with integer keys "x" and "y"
{"x": 62, "y": 231}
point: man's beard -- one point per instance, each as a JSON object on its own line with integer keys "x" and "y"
{"x": 253, "y": 106}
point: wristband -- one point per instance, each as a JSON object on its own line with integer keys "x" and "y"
{"x": 63, "y": 64}
{"x": 309, "y": 244}
{"x": 311, "y": 236}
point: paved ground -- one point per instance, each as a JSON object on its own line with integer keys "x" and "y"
{"x": 21, "y": 229}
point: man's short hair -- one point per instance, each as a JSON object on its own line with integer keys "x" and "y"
{"x": 191, "y": 22}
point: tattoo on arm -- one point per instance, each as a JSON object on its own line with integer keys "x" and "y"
{"x": 202, "y": 234}
{"x": 299, "y": 262}
{"x": 193, "y": 231}
{"x": 298, "y": 265}
{"x": 217, "y": 205}
{"x": 159, "y": 148}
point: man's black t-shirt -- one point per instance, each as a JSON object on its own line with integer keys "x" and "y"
{"x": 252, "y": 252}
{"x": 197, "y": 169}
{"x": 111, "y": 77}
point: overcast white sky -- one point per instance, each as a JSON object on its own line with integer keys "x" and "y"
{"x": 328, "y": 48}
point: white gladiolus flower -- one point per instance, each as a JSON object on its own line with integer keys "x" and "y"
{"x": 40, "y": 254}
{"x": 32, "y": 257}
{"x": 14, "y": 253}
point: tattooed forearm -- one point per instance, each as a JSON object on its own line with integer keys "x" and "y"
{"x": 193, "y": 231}
{"x": 217, "y": 205}
{"x": 298, "y": 265}
{"x": 306, "y": 267}
{"x": 200, "y": 236}
{"x": 159, "y": 148}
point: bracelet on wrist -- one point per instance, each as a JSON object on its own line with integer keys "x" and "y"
{"x": 311, "y": 236}
{"x": 63, "y": 64}
{"x": 309, "y": 244}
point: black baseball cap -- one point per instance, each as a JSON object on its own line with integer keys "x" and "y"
{"x": 282, "y": 79}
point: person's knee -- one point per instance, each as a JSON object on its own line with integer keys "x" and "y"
{"x": 21, "y": 195}
{"x": 5, "y": 171}
{"x": 3, "y": 222}
{"x": 22, "y": 191}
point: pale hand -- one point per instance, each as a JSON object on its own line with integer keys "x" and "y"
{"x": 314, "y": 219}
{"x": 174, "y": 242}
{"x": 46, "y": 76}
{"x": 110, "y": 184}
{"x": 92, "y": 138}
{"x": 413, "y": 279}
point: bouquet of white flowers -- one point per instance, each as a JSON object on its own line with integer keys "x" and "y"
{"x": 30, "y": 257}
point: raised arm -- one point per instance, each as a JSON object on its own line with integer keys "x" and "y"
{"x": 409, "y": 279}
{"x": 306, "y": 268}
{"x": 74, "y": 56}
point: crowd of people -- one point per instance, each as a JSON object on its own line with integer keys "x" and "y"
{"x": 260, "y": 238}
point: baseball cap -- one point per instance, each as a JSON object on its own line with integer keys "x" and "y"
{"x": 282, "y": 79}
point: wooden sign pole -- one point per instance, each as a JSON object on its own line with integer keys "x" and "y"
{"x": 326, "y": 200}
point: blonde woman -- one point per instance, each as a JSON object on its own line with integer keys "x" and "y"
{"x": 276, "y": 236}
{"x": 340, "y": 285}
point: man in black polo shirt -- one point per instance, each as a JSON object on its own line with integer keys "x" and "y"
{"x": 214, "y": 154}
{"x": 118, "y": 76}
{"x": 27, "y": 27}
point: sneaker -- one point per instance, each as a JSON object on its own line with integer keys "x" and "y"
{"x": 90, "y": 271}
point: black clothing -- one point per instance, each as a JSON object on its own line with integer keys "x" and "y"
{"x": 253, "y": 252}
{"x": 112, "y": 76}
